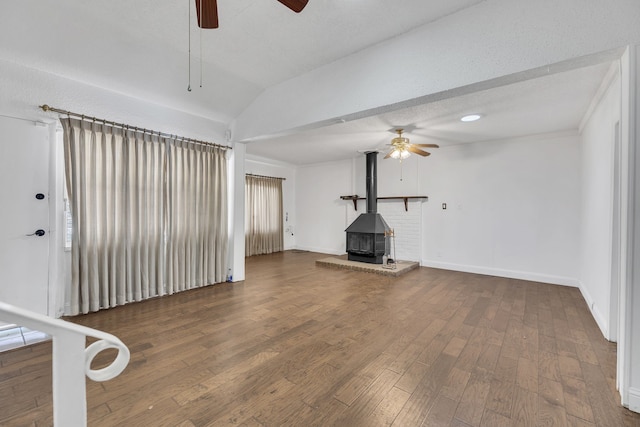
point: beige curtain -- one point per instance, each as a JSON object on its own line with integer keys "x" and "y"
{"x": 263, "y": 216}
{"x": 149, "y": 215}
{"x": 197, "y": 216}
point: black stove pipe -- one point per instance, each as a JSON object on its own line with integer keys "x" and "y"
{"x": 372, "y": 182}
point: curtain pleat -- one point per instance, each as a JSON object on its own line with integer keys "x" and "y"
{"x": 149, "y": 215}
{"x": 264, "y": 215}
{"x": 197, "y": 192}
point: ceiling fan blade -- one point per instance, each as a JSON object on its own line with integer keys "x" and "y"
{"x": 389, "y": 154}
{"x": 426, "y": 145}
{"x": 295, "y": 5}
{"x": 418, "y": 151}
{"x": 208, "y": 16}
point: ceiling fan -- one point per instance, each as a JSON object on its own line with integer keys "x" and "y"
{"x": 208, "y": 11}
{"x": 402, "y": 148}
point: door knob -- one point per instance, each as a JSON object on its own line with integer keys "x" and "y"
{"x": 40, "y": 232}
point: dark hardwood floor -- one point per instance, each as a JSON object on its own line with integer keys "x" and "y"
{"x": 300, "y": 345}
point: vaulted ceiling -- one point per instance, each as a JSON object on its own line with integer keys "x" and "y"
{"x": 262, "y": 50}
{"x": 141, "y": 47}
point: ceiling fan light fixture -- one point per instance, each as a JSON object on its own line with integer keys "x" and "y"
{"x": 471, "y": 117}
{"x": 400, "y": 154}
{"x": 401, "y": 148}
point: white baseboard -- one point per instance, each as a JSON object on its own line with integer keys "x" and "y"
{"x": 634, "y": 399}
{"x": 595, "y": 312}
{"x": 511, "y": 274}
{"x": 320, "y": 250}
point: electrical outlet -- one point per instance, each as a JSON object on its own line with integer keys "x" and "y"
{"x": 444, "y": 206}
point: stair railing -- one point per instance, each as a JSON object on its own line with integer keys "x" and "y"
{"x": 71, "y": 361}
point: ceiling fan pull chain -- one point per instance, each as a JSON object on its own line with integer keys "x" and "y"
{"x": 200, "y": 25}
{"x": 189, "y": 86}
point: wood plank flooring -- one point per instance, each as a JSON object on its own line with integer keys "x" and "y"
{"x": 301, "y": 345}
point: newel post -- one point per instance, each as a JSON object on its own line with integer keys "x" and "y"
{"x": 69, "y": 384}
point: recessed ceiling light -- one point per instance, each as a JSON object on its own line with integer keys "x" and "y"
{"x": 470, "y": 118}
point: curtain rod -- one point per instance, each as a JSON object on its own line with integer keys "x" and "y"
{"x": 264, "y": 176}
{"x": 47, "y": 108}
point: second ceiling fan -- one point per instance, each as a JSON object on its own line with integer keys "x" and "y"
{"x": 401, "y": 148}
{"x": 208, "y": 11}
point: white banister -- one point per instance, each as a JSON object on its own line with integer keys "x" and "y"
{"x": 71, "y": 361}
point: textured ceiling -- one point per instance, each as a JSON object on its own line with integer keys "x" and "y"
{"x": 141, "y": 47}
{"x": 552, "y": 103}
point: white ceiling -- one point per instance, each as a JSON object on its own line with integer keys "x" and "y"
{"x": 140, "y": 48}
{"x": 119, "y": 44}
{"x": 551, "y": 103}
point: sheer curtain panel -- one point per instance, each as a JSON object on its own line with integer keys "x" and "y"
{"x": 149, "y": 215}
{"x": 263, "y": 215}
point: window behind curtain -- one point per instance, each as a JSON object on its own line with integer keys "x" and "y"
{"x": 149, "y": 215}
{"x": 263, "y": 215}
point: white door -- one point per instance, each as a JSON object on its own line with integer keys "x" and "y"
{"x": 24, "y": 173}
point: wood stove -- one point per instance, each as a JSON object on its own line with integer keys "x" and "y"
{"x": 365, "y": 236}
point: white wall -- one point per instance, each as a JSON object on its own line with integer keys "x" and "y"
{"x": 320, "y": 213}
{"x": 598, "y": 136}
{"x": 266, "y": 167}
{"x": 24, "y": 89}
{"x": 396, "y": 178}
{"x": 512, "y": 208}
